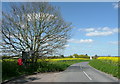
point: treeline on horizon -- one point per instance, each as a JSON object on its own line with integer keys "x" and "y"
{"x": 60, "y": 56}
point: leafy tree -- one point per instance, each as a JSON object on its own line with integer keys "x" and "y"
{"x": 80, "y": 56}
{"x": 62, "y": 56}
{"x": 69, "y": 56}
{"x": 83, "y": 56}
{"x": 95, "y": 56}
{"x": 36, "y": 27}
{"x": 76, "y": 55}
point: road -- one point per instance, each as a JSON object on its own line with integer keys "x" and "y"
{"x": 82, "y": 72}
{"x": 79, "y": 72}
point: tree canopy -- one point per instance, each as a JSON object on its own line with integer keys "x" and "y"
{"x": 34, "y": 26}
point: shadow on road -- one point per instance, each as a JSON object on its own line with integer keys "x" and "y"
{"x": 23, "y": 80}
{"x": 73, "y": 69}
{"x": 76, "y": 68}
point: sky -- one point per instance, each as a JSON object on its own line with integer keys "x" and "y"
{"x": 95, "y": 27}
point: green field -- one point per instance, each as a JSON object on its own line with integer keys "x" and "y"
{"x": 106, "y": 66}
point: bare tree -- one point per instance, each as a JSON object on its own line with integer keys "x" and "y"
{"x": 37, "y": 27}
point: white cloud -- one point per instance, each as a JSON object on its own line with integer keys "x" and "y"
{"x": 89, "y": 29}
{"x": 116, "y": 30}
{"x": 80, "y": 41}
{"x": 105, "y": 28}
{"x": 115, "y": 5}
{"x": 97, "y": 33}
{"x": 114, "y": 42}
{"x": 66, "y": 45}
{"x": 103, "y": 31}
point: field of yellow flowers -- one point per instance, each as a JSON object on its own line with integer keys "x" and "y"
{"x": 65, "y": 59}
{"x": 54, "y": 60}
{"x": 113, "y": 59}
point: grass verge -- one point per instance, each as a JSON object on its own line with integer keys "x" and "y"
{"x": 106, "y": 66}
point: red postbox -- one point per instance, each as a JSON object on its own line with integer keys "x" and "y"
{"x": 20, "y": 62}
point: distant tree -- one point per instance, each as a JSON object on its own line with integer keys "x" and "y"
{"x": 95, "y": 56}
{"x": 76, "y": 55}
{"x": 83, "y": 56}
{"x": 34, "y": 26}
{"x": 70, "y": 56}
{"x": 62, "y": 56}
{"x": 109, "y": 55}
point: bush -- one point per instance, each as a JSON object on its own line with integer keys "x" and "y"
{"x": 12, "y": 69}
{"x": 9, "y": 69}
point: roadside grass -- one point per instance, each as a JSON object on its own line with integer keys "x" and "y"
{"x": 106, "y": 66}
{"x": 11, "y": 69}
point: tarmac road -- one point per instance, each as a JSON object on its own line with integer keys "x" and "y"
{"x": 82, "y": 72}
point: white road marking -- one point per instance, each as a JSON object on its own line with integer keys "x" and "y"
{"x": 87, "y": 75}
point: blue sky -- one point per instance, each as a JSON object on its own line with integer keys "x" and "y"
{"x": 95, "y": 27}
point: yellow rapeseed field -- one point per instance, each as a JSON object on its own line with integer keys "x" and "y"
{"x": 54, "y": 60}
{"x": 9, "y": 59}
{"x": 62, "y": 59}
{"x": 114, "y": 59}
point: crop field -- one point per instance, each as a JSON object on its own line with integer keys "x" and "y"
{"x": 64, "y": 59}
{"x": 113, "y": 59}
{"x": 53, "y": 60}
{"x": 110, "y": 65}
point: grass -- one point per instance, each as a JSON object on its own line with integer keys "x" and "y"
{"x": 11, "y": 69}
{"x": 106, "y": 66}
